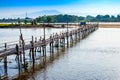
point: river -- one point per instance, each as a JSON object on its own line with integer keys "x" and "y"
{"x": 96, "y": 57}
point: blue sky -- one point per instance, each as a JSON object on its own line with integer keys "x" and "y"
{"x": 24, "y": 3}
{"x": 10, "y": 8}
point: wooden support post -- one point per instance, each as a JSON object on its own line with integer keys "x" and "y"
{"x": 45, "y": 50}
{"x": 32, "y": 48}
{"x": 5, "y": 62}
{"x": 67, "y": 39}
{"x": 30, "y": 51}
{"x": 23, "y": 51}
{"x": 71, "y": 38}
{"x": 17, "y": 50}
{"x": 88, "y": 30}
{"x": 20, "y": 59}
{"x": 50, "y": 43}
{"x": 53, "y": 43}
{"x": 64, "y": 39}
{"x": 56, "y": 40}
{"x": 40, "y": 44}
{"x": 20, "y": 43}
{"x": 67, "y": 36}
{"x": 44, "y": 47}
{"x": 75, "y": 35}
{"x": 5, "y": 66}
{"x": 35, "y": 47}
{"x": 52, "y": 47}
{"x": 83, "y": 33}
{"x": 5, "y": 46}
{"x": 79, "y": 33}
{"x": 39, "y": 48}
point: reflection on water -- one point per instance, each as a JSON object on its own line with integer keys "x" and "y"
{"x": 93, "y": 58}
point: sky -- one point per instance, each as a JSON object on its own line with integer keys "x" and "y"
{"x": 11, "y": 8}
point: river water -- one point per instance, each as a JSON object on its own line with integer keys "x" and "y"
{"x": 96, "y": 57}
{"x": 9, "y": 35}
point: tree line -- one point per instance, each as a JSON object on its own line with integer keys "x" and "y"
{"x": 64, "y": 18}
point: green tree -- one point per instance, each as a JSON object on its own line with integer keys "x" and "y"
{"x": 98, "y": 18}
{"x": 43, "y": 18}
{"x": 33, "y": 22}
{"x": 25, "y": 21}
{"x": 89, "y": 18}
{"x": 39, "y": 19}
{"x": 113, "y": 18}
{"x": 49, "y": 19}
{"x": 106, "y": 18}
{"x": 118, "y": 18}
{"x": 19, "y": 21}
{"x": 80, "y": 18}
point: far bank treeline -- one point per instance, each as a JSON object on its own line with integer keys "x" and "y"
{"x": 64, "y": 18}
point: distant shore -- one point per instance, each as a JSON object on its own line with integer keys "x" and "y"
{"x": 101, "y": 25}
{"x": 50, "y": 25}
{"x": 24, "y": 26}
{"x": 109, "y": 24}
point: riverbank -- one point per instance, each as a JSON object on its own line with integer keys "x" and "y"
{"x": 25, "y": 26}
{"x": 109, "y": 25}
{"x": 71, "y": 25}
{"x": 5, "y": 25}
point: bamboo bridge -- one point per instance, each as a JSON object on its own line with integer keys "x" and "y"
{"x": 62, "y": 39}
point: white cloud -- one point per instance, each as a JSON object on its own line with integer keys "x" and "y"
{"x": 89, "y": 9}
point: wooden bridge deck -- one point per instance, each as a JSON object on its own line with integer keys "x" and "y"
{"x": 10, "y": 51}
{"x": 18, "y": 48}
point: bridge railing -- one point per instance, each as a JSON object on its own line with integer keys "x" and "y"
{"x": 11, "y": 45}
{"x": 8, "y": 45}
